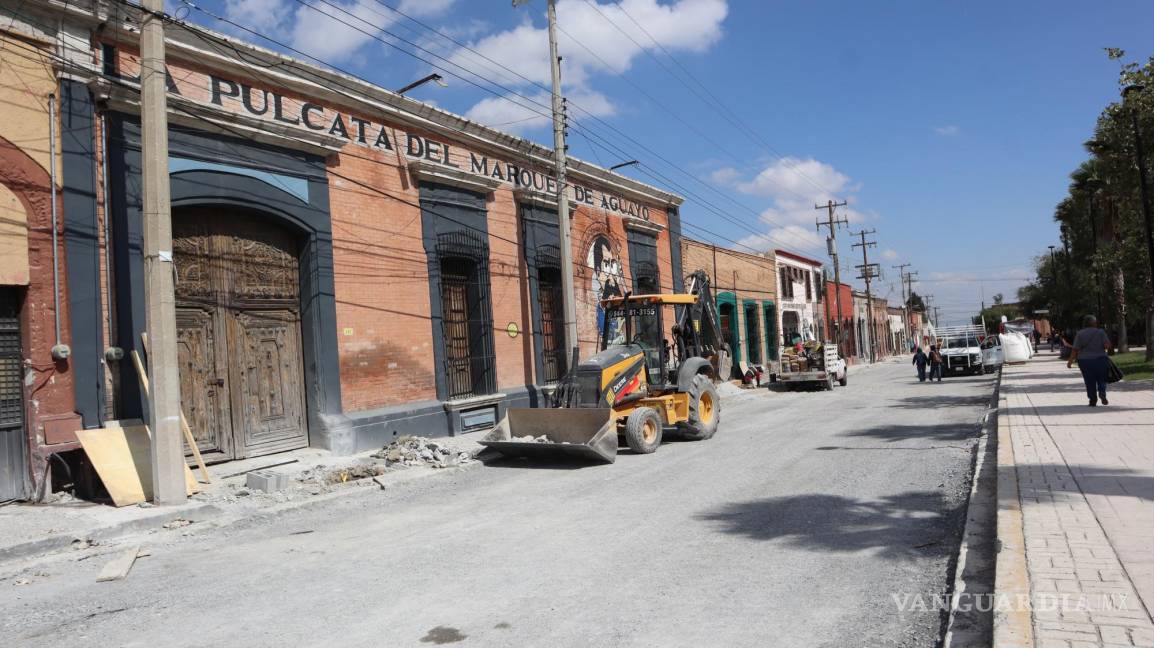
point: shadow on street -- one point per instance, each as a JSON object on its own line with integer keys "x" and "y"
{"x": 906, "y": 526}
{"x": 935, "y": 432}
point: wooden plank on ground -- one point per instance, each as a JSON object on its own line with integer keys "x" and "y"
{"x": 118, "y": 567}
{"x": 188, "y": 438}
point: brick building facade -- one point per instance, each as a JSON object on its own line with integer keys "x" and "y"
{"x": 848, "y": 332}
{"x": 744, "y": 286}
{"x": 351, "y": 264}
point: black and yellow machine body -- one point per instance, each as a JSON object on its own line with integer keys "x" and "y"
{"x": 645, "y": 381}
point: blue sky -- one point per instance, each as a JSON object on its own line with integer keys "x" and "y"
{"x": 950, "y": 127}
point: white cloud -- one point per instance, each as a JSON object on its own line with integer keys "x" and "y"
{"x": 260, "y": 15}
{"x": 790, "y": 176}
{"x": 724, "y": 176}
{"x": 792, "y": 185}
{"x": 790, "y": 237}
{"x": 519, "y": 114}
{"x": 947, "y": 131}
{"x": 890, "y": 255}
{"x": 333, "y": 32}
{"x": 684, "y": 25}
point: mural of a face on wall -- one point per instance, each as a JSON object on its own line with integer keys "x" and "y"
{"x": 607, "y": 274}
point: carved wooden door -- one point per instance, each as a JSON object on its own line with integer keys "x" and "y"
{"x": 238, "y": 329}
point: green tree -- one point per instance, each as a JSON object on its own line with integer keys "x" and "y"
{"x": 916, "y": 303}
{"x": 1102, "y": 265}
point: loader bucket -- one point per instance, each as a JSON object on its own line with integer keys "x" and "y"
{"x": 575, "y": 433}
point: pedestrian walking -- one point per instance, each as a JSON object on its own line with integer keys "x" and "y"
{"x": 1089, "y": 351}
{"x": 920, "y": 360}
{"x": 935, "y": 358}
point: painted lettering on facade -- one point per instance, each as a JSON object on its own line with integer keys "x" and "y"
{"x": 270, "y": 105}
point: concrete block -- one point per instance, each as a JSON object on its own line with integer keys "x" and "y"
{"x": 268, "y": 481}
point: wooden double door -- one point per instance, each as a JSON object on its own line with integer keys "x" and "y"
{"x": 238, "y": 333}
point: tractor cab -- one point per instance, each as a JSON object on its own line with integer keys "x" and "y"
{"x": 637, "y": 322}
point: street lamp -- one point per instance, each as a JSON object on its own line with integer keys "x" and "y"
{"x": 435, "y": 78}
{"x": 623, "y": 164}
{"x": 1141, "y": 159}
{"x": 1054, "y": 276}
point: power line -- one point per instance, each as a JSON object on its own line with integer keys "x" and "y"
{"x": 608, "y": 143}
{"x": 728, "y": 114}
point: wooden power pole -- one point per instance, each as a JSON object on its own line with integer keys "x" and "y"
{"x": 831, "y": 241}
{"x": 869, "y": 272}
{"x": 168, "y": 485}
{"x": 560, "y": 149}
{"x": 901, "y": 268}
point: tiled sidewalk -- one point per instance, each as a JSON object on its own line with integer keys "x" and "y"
{"x": 1086, "y": 488}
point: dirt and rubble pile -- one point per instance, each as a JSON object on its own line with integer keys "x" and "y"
{"x": 537, "y": 439}
{"x": 419, "y": 451}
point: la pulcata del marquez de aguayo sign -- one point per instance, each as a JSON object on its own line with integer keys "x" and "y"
{"x": 270, "y": 105}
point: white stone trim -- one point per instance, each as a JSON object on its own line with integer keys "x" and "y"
{"x": 422, "y": 170}
{"x": 642, "y": 225}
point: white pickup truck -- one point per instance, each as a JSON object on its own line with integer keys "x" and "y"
{"x": 821, "y": 366}
{"x": 961, "y": 349}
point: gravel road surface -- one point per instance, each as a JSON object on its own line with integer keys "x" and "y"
{"x": 798, "y": 525}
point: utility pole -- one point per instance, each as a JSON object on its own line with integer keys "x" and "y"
{"x": 831, "y": 243}
{"x": 568, "y": 296}
{"x": 910, "y": 289}
{"x": 901, "y": 268}
{"x": 560, "y": 149}
{"x": 168, "y": 485}
{"x": 869, "y": 272}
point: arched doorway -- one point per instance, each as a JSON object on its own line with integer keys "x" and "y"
{"x": 238, "y": 332}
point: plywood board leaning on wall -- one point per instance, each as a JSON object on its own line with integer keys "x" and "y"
{"x": 122, "y": 456}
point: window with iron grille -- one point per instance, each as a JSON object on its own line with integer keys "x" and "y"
{"x": 552, "y": 324}
{"x": 11, "y": 385}
{"x": 645, "y": 281}
{"x": 466, "y": 320}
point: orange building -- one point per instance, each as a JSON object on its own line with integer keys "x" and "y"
{"x": 352, "y": 264}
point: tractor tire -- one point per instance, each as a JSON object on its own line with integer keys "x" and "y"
{"x": 844, "y": 378}
{"x": 704, "y": 410}
{"x": 643, "y": 430}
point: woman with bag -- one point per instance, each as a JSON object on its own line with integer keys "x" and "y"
{"x": 1089, "y": 351}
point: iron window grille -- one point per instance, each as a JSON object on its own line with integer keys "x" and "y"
{"x": 466, "y": 315}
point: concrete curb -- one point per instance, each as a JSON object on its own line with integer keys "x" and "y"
{"x": 220, "y": 517}
{"x": 1013, "y": 623}
{"x": 199, "y": 512}
{"x": 969, "y": 624}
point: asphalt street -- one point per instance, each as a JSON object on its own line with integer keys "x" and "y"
{"x": 800, "y": 524}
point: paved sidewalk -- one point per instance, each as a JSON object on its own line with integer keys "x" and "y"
{"x": 1085, "y": 480}
{"x": 29, "y": 530}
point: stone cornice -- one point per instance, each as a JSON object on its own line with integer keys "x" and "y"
{"x": 123, "y": 96}
{"x": 427, "y": 172}
{"x": 642, "y": 225}
{"x": 224, "y": 53}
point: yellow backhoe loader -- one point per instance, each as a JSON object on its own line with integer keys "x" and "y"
{"x": 640, "y": 386}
